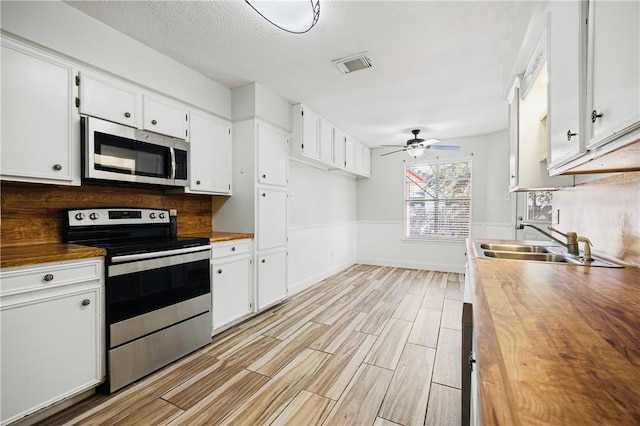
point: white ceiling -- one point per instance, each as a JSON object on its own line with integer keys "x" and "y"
{"x": 437, "y": 65}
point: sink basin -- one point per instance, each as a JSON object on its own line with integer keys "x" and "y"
{"x": 540, "y": 257}
{"x": 534, "y": 252}
{"x": 515, "y": 248}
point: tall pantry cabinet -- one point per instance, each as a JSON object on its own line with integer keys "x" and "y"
{"x": 261, "y": 123}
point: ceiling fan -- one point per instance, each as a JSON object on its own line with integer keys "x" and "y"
{"x": 417, "y": 147}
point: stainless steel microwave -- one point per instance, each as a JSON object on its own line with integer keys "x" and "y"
{"x": 114, "y": 152}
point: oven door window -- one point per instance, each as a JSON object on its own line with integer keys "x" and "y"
{"x": 140, "y": 292}
{"x": 131, "y": 157}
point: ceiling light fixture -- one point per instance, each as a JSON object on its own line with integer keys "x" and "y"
{"x": 417, "y": 151}
{"x": 294, "y": 16}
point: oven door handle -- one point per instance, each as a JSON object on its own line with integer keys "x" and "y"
{"x": 141, "y": 256}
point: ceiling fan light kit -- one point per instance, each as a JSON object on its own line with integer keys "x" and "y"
{"x": 417, "y": 147}
{"x": 294, "y": 16}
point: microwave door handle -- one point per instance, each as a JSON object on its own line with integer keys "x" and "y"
{"x": 173, "y": 163}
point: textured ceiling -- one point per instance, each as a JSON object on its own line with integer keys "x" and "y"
{"x": 437, "y": 65}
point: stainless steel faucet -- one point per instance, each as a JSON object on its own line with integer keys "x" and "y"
{"x": 572, "y": 238}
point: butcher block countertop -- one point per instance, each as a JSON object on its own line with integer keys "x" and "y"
{"x": 556, "y": 343}
{"x": 29, "y": 254}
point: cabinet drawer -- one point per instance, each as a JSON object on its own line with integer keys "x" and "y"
{"x": 21, "y": 279}
{"x": 230, "y": 248}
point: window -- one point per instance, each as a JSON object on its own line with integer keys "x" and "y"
{"x": 539, "y": 206}
{"x": 438, "y": 200}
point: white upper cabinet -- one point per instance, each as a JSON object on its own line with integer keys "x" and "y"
{"x": 326, "y": 141}
{"x": 350, "y": 154}
{"x": 164, "y": 116}
{"x": 210, "y": 154}
{"x": 613, "y": 69}
{"x": 107, "y": 98}
{"x": 306, "y": 133}
{"x": 363, "y": 159}
{"x": 339, "y": 146}
{"x": 594, "y": 52}
{"x": 40, "y": 128}
{"x": 566, "y": 53}
{"x": 273, "y": 159}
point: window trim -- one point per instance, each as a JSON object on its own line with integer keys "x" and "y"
{"x": 466, "y": 158}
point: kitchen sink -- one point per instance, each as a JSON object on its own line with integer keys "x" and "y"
{"x": 536, "y": 253}
{"x": 515, "y": 248}
{"x": 540, "y": 257}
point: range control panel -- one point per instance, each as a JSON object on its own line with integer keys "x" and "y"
{"x": 116, "y": 216}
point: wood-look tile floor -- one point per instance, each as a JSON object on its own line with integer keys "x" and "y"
{"x": 367, "y": 346}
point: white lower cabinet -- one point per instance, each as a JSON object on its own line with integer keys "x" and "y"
{"x": 231, "y": 289}
{"x": 52, "y": 334}
{"x": 271, "y": 272}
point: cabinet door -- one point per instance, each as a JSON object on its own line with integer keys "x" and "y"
{"x": 40, "y": 129}
{"x": 566, "y": 78}
{"x": 614, "y": 68}
{"x": 339, "y": 148}
{"x": 359, "y": 159}
{"x": 367, "y": 161}
{"x": 230, "y": 291}
{"x": 273, "y": 155}
{"x": 350, "y": 153}
{"x": 514, "y": 98}
{"x": 50, "y": 350}
{"x": 109, "y": 99}
{"x": 271, "y": 278}
{"x": 310, "y": 133}
{"x": 164, "y": 116}
{"x": 210, "y": 154}
{"x": 272, "y": 218}
{"x": 326, "y": 141}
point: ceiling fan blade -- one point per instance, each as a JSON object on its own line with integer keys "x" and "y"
{"x": 432, "y": 141}
{"x": 399, "y": 146}
{"x": 392, "y": 152}
{"x": 445, "y": 147}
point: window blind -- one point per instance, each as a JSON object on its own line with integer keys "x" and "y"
{"x": 438, "y": 200}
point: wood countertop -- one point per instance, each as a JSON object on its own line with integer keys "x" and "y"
{"x": 29, "y": 254}
{"x": 217, "y": 237}
{"x": 556, "y": 343}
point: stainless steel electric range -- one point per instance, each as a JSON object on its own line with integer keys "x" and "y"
{"x": 157, "y": 288}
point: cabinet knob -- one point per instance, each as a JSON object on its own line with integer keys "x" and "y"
{"x": 513, "y": 176}
{"x": 86, "y": 302}
{"x": 264, "y": 261}
{"x": 595, "y": 116}
{"x": 233, "y": 249}
{"x": 48, "y": 277}
{"x": 570, "y": 135}
{"x": 264, "y": 176}
{"x": 264, "y": 194}
{"x": 127, "y": 114}
{"x": 219, "y": 271}
{"x": 154, "y": 122}
{"x": 197, "y": 182}
{"x": 57, "y": 167}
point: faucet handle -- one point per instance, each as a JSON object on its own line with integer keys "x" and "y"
{"x": 587, "y": 248}
{"x": 572, "y": 237}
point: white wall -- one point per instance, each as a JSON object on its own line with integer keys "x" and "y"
{"x": 65, "y": 30}
{"x": 322, "y": 224}
{"x": 380, "y": 206}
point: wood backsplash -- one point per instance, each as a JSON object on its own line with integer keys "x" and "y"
{"x": 33, "y": 213}
{"x": 607, "y": 211}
